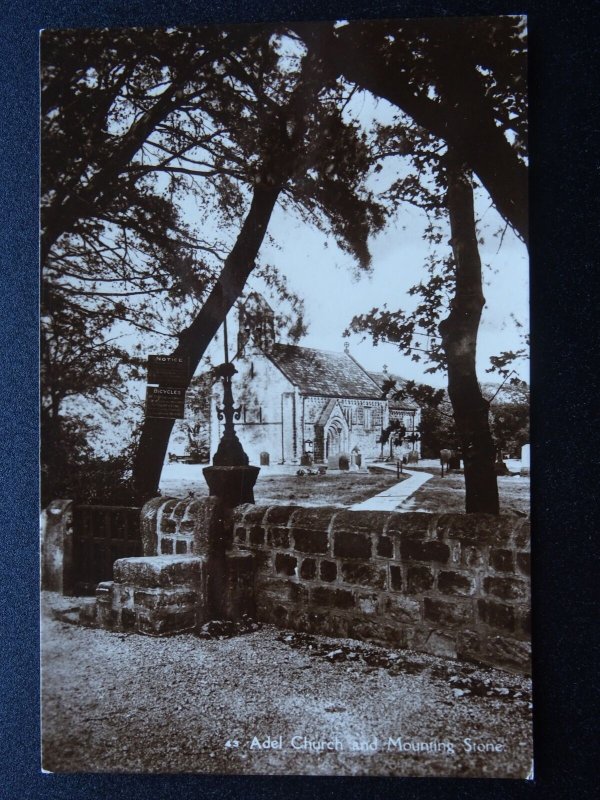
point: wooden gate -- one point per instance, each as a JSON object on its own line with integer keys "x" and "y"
{"x": 101, "y": 535}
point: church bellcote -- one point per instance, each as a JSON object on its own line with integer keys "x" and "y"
{"x": 256, "y": 323}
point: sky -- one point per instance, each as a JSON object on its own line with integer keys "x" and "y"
{"x": 334, "y": 291}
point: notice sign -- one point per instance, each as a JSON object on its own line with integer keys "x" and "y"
{"x": 168, "y": 403}
{"x": 168, "y": 370}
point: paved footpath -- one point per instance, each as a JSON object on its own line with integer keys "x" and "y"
{"x": 393, "y": 497}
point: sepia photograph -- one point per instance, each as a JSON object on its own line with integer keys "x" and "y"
{"x": 285, "y": 397}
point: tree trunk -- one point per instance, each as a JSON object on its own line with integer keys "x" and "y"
{"x": 459, "y": 339}
{"x": 193, "y": 341}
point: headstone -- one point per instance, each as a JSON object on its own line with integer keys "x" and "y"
{"x": 525, "y": 460}
{"x": 454, "y": 462}
{"x": 306, "y": 460}
{"x": 344, "y": 461}
{"x": 264, "y": 459}
{"x": 356, "y": 460}
{"x": 333, "y": 462}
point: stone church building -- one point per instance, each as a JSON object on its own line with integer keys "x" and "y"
{"x": 299, "y": 400}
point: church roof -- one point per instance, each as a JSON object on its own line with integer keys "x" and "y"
{"x": 381, "y": 377}
{"x": 324, "y": 372}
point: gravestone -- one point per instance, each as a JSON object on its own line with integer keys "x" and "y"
{"x": 525, "y": 460}
{"x": 264, "y": 459}
{"x": 339, "y": 461}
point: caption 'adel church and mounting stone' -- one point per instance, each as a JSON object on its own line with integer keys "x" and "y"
{"x": 301, "y": 405}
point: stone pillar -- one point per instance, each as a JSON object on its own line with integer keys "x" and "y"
{"x": 57, "y": 547}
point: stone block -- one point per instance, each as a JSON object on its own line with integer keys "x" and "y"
{"x": 308, "y": 568}
{"x": 148, "y": 523}
{"x": 351, "y": 545}
{"x": 505, "y": 652}
{"x": 151, "y": 598}
{"x": 360, "y": 521}
{"x": 441, "y": 643}
{"x": 395, "y": 636}
{"x": 298, "y": 593}
{"x": 334, "y": 598}
{"x": 310, "y": 541}
{"x": 402, "y": 609}
{"x": 496, "y": 615}
{"x": 418, "y": 579}
{"x": 524, "y": 563}
{"x": 502, "y": 560}
{"x": 279, "y": 515}
{"x": 166, "y": 546}
{"x": 328, "y": 570}
{"x": 524, "y": 622}
{"x": 455, "y": 583}
{"x": 522, "y": 535}
{"x": 470, "y": 555}
{"x": 240, "y": 534}
{"x": 368, "y": 603}
{"x": 159, "y": 570}
{"x": 427, "y": 550}
{"x": 363, "y": 574}
{"x": 285, "y": 564}
{"x": 506, "y": 588}
{"x": 155, "y": 623}
{"x": 167, "y": 525}
{"x": 181, "y": 508}
{"x": 257, "y": 535}
{"x": 469, "y": 645}
{"x": 57, "y": 547}
{"x": 248, "y": 514}
{"x": 447, "y": 612}
{"x": 477, "y": 529}
{"x": 385, "y": 547}
{"x": 104, "y": 593}
{"x": 360, "y": 628}
{"x": 395, "y": 578}
{"x": 315, "y": 519}
{"x": 413, "y": 524}
{"x": 279, "y": 537}
{"x": 128, "y": 619}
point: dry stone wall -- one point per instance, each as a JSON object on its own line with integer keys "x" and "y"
{"x": 452, "y": 585}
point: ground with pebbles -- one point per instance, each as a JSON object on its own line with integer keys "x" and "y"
{"x": 266, "y": 701}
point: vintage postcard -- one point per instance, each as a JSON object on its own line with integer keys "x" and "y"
{"x": 285, "y": 399}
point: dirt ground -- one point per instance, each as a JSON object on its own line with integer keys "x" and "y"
{"x": 272, "y": 702}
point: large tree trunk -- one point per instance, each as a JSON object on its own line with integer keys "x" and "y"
{"x": 154, "y": 439}
{"x": 459, "y": 338}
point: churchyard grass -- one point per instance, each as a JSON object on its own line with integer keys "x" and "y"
{"x": 447, "y": 495}
{"x": 343, "y": 488}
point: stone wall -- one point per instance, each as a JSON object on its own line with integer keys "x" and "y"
{"x": 452, "y": 585}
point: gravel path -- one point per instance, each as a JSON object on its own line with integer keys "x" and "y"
{"x": 392, "y": 498}
{"x": 128, "y": 703}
